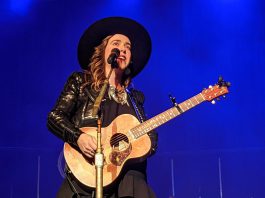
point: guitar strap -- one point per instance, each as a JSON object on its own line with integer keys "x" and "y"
{"x": 138, "y": 108}
{"x": 71, "y": 182}
{"x": 135, "y": 105}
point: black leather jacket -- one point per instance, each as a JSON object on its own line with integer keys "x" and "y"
{"x": 73, "y": 110}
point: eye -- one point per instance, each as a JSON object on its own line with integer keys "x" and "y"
{"x": 128, "y": 47}
{"x": 115, "y": 43}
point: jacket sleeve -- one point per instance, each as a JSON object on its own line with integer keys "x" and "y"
{"x": 139, "y": 96}
{"x": 59, "y": 119}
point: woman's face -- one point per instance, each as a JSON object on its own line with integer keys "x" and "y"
{"x": 123, "y": 43}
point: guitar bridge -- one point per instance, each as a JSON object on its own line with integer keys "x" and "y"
{"x": 117, "y": 156}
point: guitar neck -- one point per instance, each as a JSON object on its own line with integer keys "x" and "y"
{"x": 166, "y": 116}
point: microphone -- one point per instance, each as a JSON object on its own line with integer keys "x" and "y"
{"x": 115, "y": 52}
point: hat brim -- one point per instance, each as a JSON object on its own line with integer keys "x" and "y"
{"x": 139, "y": 37}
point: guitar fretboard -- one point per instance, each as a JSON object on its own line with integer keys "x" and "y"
{"x": 165, "y": 116}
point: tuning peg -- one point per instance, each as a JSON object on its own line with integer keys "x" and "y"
{"x": 218, "y": 99}
{"x": 220, "y": 79}
{"x": 223, "y": 96}
{"x": 213, "y": 101}
{"x": 210, "y": 86}
{"x": 228, "y": 84}
{"x": 222, "y": 83}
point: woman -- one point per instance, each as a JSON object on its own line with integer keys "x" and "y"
{"x": 73, "y": 109}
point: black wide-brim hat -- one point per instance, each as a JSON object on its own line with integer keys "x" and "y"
{"x": 138, "y": 35}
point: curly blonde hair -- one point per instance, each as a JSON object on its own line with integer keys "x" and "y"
{"x": 96, "y": 68}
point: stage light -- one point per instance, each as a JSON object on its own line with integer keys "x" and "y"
{"x": 20, "y": 6}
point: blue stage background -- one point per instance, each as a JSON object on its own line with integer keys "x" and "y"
{"x": 211, "y": 151}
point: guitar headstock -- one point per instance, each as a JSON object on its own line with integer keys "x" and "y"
{"x": 213, "y": 92}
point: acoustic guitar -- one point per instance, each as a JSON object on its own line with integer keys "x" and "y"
{"x": 126, "y": 139}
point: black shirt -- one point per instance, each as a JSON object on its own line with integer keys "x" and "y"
{"x": 111, "y": 109}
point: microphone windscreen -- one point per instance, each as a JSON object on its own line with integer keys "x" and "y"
{"x": 115, "y": 52}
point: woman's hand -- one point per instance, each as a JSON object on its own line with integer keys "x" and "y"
{"x": 87, "y": 144}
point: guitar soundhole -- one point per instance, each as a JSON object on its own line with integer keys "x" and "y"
{"x": 121, "y": 148}
{"x": 119, "y": 141}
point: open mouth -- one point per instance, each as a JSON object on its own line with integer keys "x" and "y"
{"x": 122, "y": 58}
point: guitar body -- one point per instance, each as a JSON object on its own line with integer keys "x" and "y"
{"x": 118, "y": 147}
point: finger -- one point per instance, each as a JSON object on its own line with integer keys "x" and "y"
{"x": 90, "y": 150}
{"x": 89, "y": 154}
{"x": 93, "y": 143}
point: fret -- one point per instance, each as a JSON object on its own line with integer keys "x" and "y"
{"x": 192, "y": 104}
{"x": 149, "y": 125}
{"x": 165, "y": 116}
{"x": 145, "y": 126}
{"x": 155, "y": 125}
{"x": 168, "y": 114}
{"x": 162, "y": 117}
{"x": 185, "y": 106}
{"x": 157, "y": 120}
{"x": 148, "y": 128}
{"x": 131, "y": 134}
{"x": 171, "y": 110}
{"x": 178, "y": 110}
{"x": 137, "y": 131}
{"x": 200, "y": 94}
{"x": 175, "y": 111}
{"x": 161, "y": 120}
{"x": 194, "y": 101}
{"x": 182, "y": 107}
{"x": 151, "y": 121}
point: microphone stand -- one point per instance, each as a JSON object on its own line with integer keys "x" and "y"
{"x": 99, "y": 158}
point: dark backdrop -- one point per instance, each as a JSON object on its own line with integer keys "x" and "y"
{"x": 211, "y": 151}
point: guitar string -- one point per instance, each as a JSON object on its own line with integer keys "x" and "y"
{"x": 118, "y": 139}
{"x": 164, "y": 119}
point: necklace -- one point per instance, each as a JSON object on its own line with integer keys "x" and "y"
{"x": 120, "y": 96}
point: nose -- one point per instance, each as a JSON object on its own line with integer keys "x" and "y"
{"x": 122, "y": 49}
